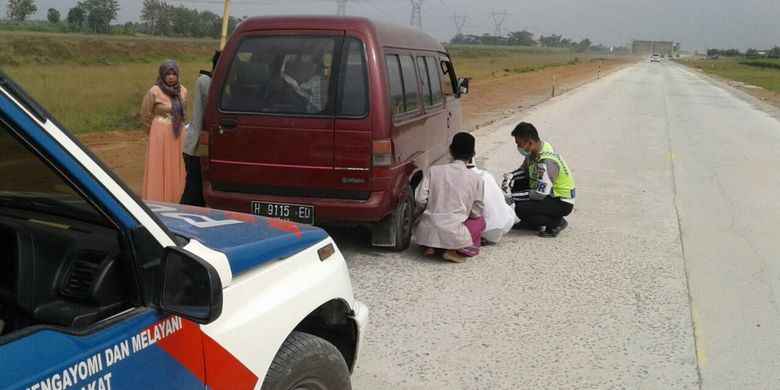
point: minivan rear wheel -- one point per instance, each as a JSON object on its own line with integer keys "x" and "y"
{"x": 403, "y": 216}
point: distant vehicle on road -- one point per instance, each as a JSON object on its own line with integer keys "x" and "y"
{"x": 655, "y": 58}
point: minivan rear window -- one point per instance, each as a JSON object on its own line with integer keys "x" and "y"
{"x": 281, "y": 75}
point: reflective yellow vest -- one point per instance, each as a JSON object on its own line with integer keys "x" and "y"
{"x": 563, "y": 187}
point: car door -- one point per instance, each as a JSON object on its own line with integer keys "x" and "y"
{"x": 140, "y": 350}
{"x": 75, "y": 301}
{"x": 267, "y": 137}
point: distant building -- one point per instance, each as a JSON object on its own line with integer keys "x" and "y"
{"x": 664, "y": 48}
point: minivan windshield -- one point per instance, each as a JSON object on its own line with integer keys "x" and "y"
{"x": 282, "y": 75}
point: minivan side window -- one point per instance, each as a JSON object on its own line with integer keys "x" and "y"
{"x": 353, "y": 85}
{"x": 395, "y": 84}
{"x": 402, "y": 83}
{"x": 435, "y": 80}
{"x": 410, "y": 83}
{"x": 425, "y": 82}
{"x": 430, "y": 80}
{"x": 445, "y": 66}
{"x": 281, "y": 75}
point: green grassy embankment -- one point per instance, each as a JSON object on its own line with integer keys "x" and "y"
{"x": 764, "y": 73}
{"x": 763, "y": 63}
{"x": 490, "y": 61}
{"x": 96, "y": 83}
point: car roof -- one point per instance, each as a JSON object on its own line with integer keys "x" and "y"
{"x": 386, "y": 34}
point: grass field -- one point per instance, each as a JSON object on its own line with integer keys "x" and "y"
{"x": 479, "y": 62}
{"x": 763, "y": 63}
{"x": 88, "y": 98}
{"x": 96, "y": 83}
{"x": 731, "y": 68}
{"x": 29, "y": 48}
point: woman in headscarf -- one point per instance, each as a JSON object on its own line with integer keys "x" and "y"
{"x": 162, "y": 114}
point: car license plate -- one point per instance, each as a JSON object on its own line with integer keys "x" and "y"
{"x": 290, "y": 212}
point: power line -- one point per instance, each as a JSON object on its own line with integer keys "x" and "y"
{"x": 379, "y": 10}
{"x": 435, "y": 14}
{"x": 416, "y": 19}
{"x": 498, "y": 21}
{"x": 342, "y": 7}
{"x": 212, "y": 2}
{"x": 459, "y": 22}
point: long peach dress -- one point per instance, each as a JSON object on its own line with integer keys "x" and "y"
{"x": 164, "y": 171}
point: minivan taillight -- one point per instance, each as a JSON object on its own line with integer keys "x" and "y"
{"x": 381, "y": 158}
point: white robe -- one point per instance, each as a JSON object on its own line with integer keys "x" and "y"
{"x": 450, "y": 194}
{"x": 499, "y": 216}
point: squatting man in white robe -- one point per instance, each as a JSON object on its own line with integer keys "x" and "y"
{"x": 451, "y": 197}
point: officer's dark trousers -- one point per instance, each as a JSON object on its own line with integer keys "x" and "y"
{"x": 193, "y": 186}
{"x": 546, "y": 212}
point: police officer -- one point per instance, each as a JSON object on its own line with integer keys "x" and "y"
{"x": 543, "y": 187}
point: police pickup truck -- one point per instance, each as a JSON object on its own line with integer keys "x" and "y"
{"x": 99, "y": 290}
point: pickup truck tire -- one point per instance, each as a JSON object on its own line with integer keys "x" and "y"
{"x": 307, "y": 362}
{"x": 403, "y": 217}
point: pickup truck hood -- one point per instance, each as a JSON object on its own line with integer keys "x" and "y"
{"x": 245, "y": 239}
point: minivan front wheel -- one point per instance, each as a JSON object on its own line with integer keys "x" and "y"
{"x": 403, "y": 216}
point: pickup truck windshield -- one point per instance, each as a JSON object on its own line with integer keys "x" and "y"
{"x": 30, "y": 184}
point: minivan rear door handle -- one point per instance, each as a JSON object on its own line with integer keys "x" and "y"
{"x": 227, "y": 125}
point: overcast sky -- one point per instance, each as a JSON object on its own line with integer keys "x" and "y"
{"x": 697, "y": 24}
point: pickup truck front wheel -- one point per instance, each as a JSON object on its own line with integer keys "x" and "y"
{"x": 307, "y": 362}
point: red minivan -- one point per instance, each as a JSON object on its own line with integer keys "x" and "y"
{"x": 328, "y": 120}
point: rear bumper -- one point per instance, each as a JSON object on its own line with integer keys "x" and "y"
{"x": 377, "y": 206}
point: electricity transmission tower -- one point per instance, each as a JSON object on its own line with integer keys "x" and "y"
{"x": 342, "y": 7}
{"x": 459, "y": 22}
{"x": 416, "y": 19}
{"x": 498, "y": 19}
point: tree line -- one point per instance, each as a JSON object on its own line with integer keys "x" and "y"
{"x": 90, "y": 15}
{"x": 526, "y": 38}
{"x": 771, "y": 53}
{"x": 157, "y": 18}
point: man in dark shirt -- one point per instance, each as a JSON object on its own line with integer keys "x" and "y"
{"x": 543, "y": 187}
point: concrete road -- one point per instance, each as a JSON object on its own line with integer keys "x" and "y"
{"x": 665, "y": 278}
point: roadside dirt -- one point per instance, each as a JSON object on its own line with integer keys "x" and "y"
{"x": 488, "y": 100}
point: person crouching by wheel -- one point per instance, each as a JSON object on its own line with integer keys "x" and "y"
{"x": 543, "y": 187}
{"x": 451, "y": 197}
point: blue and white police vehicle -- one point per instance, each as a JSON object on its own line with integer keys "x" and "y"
{"x": 99, "y": 290}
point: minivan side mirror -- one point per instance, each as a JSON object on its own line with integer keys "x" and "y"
{"x": 463, "y": 86}
{"x": 190, "y": 287}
